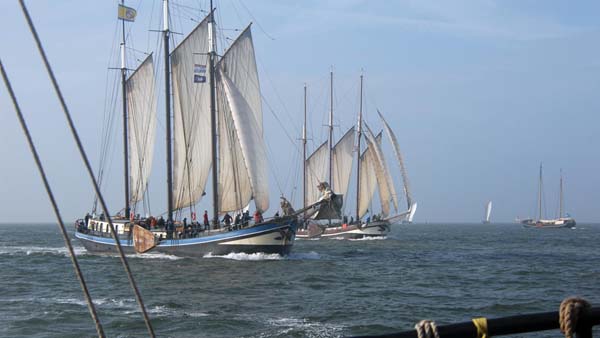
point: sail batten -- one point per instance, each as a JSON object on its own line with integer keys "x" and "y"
{"x": 396, "y": 146}
{"x": 141, "y": 107}
{"x": 342, "y": 162}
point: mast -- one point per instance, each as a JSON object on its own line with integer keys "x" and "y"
{"x": 359, "y": 132}
{"x": 304, "y": 154}
{"x": 331, "y": 130}
{"x": 540, "y": 195}
{"x": 168, "y": 110}
{"x": 213, "y": 112}
{"x": 560, "y": 202}
{"x": 125, "y": 136}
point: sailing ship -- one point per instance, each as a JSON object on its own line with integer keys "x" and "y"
{"x": 333, "y": 163}
{"x": 216, "y": 122}
{"x": 488, "y": 212}
{"x": 560, "y": 222}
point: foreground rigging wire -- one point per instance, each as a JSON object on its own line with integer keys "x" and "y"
{"x": 61, "y": 225}
{"x": 88, "y": 167}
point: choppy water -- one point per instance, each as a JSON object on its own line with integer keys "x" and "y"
{"x": 326, "y": 288}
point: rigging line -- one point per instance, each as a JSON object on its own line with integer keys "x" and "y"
{"x": 257, "y": 23}
{"x": 63, "y": 230}
{"x": 87, "y": 164}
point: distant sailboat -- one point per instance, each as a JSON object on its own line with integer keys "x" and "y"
{"x": 217, "y": 126}
{"x": 560, "y": 222}
{"x": 488, "y": 212}
{"x": 372, "y": 174}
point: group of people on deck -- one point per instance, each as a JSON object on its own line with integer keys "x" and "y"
{"x": 185, "y": 229}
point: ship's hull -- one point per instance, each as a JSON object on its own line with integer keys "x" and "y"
{"x": 373, "y": 229}
{"x": 270, "y": 238}
{"x": 553, "y": 223}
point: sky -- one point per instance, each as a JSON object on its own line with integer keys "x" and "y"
{"x": 479, "y": 93}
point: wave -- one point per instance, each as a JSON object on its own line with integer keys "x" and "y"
{"x": 157, "y": 256}
{"x": 259, "y": 256}
{"x": 306, "y": 327}
{"x": 370, "y": 238}
{"x": 40, "y": 250}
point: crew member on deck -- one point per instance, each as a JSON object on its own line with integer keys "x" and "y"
{"x": 206, "y": 223}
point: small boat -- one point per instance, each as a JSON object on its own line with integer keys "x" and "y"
{"x": 488, "y": 212}
{"x": 207, "y": 86}
{"x": 560, "y": 222}
{"x": 333, "y": 163}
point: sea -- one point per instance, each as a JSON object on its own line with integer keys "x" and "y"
{"x": 326, "y": 288}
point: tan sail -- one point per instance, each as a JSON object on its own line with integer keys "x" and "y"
{"x": 316, "y": 173}
{"x": 342, "y": 162}
{"x": 191, "y": 117}
{"x": 141, "y": 108}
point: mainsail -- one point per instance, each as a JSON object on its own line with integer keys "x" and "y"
{"x": 191, "y": 117}
{"x": 387, "y": 191}
{"x": 367, "y": 180}
{"x": 316, "y": 172}
{"x": 342, "y": 162}
{"x": 141, "y": 107}
{"x": 394, "y": 141}
{"x": 243, "y": 165}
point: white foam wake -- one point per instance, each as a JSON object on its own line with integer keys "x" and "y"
{"x": 40, "y": 250}
{"x": 259, "y": 256}
{"x": 372, "y": 238}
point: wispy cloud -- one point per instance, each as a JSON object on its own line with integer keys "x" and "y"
{"x": 479, "y": 19}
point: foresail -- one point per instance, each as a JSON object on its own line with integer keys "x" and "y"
{"x": 387, "y": 192}
{"x": 342, "y": 162}
{"x": 235, "y": 190}
{"x": 191, "y": 117}
{"x": 242, "y": 113}
{"x": 239, "y": 63}
{"x": 396, "y": 147}
{"x": 316, "y": 172}
{"x": 251, "y": 143}
{"x": 141, "y": 127}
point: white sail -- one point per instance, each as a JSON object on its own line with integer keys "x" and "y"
{"x": 191, "y": 117}
{"x": 342, "y": 162}
{"x": 367, "y": 180}
{"x": 243, "y": 161}
{"x": 141, "y": 126}
{"x": 235, "y": 190}
{"x": 387, "y": 192}
{"x": 316, "y": 172}
{"x": 251, "y": 144}
{"x": 488, "y": 211}
{"x": 394, "y": 141}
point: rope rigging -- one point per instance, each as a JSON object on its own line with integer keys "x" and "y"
{"x": 88, "y": 166}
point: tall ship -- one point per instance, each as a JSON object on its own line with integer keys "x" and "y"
{"x": 214, "y": 125}
{"x": 488, "y": 213}
{"x": 327, "y": 175}
{"x": 559, "y": 222}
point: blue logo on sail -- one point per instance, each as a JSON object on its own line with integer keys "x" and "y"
{"x": 199, "y": 73}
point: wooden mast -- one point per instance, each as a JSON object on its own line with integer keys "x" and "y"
{"x": 125, "y": 131}
{"x": 359, "y": 133}
{"x": 304, "y": 154}
{"x": 166, "y": 34}
{"x": 213, "y": 113}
